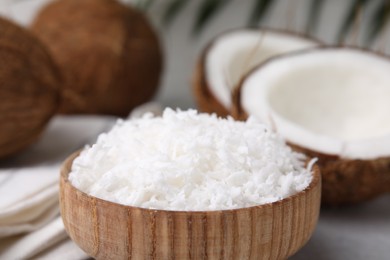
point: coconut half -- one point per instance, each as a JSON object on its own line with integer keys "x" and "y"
{"x": 331, "y": 103}
{"x": 231, "y": 55}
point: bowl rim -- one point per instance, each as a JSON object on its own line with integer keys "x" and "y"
{"x": 66, "y": 168}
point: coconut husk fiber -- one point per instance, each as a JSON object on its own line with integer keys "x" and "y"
{"x": 108, "y": 53}
{"x": 29, "y": 88}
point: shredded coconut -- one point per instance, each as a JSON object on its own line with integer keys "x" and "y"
{"x": 190, "y": 161}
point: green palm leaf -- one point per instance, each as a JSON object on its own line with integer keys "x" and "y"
{"x": 206, "y": 11}
{"x": 378, "y": 21}
{"x": 144, "y": 4}
{"x": 260, "y": 9}
{"x": 172, "y": 10}
{"x": 350, "y": 18}
{"x": 314, "y": 14}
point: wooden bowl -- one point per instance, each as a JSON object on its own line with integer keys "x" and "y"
{"x": 107, "y": 230}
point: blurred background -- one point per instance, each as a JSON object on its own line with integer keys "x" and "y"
{"x": 186, "y": 26}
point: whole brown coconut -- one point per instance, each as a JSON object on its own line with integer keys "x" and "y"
{"x": 29, "y": 88}
{"x": 108, "y": 53}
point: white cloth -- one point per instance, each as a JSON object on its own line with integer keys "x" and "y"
{"x": 29, "y": 188}
{"x": 30, "y": 225}
{"x": 39, "y": 241}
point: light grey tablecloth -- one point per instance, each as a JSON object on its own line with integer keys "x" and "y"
{"x": 358, "y": 232}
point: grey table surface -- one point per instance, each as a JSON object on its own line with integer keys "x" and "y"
{"x": 356, "y": 232}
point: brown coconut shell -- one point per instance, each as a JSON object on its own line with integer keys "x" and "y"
{"x": 108, "y": 53}
{"x": 205, "y": 99}
{"x": 344, "y": 181}
{"x": 29, "y": 88}
{"x": 350, "y": 181}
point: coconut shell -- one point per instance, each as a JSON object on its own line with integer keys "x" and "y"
{"x": 29, "y": 88}
{"x": 206, "y": 100}
{"x": 238, "y": 111}
{"x": 350, "y": 181}
{"x": 344, "y": 181}
{"x": 108, "y": 53}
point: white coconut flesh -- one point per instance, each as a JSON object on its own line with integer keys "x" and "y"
{"x": 334, "y": 101}
{"x": 234, "y": 54}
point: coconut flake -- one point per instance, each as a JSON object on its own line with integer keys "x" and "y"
{"x": 189, "y": 161}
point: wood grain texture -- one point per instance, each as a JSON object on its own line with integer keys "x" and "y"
{"x": 107, "y": 230}
{"x": 109, "y": 54}
{"x": 30, "y": 85}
